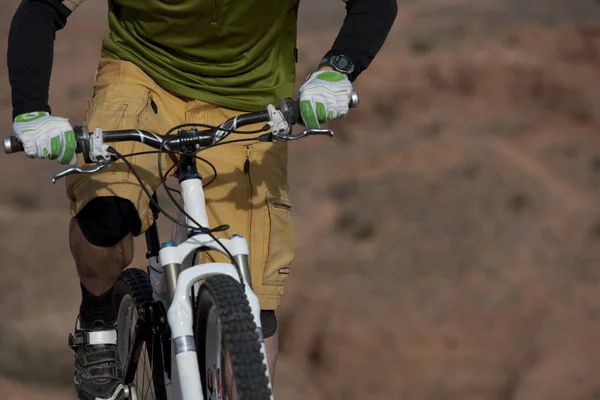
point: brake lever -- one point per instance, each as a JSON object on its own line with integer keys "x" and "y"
{"x": 308, "y": 132}
{"x": 78, "y": 170}
{"x": 284, "y": 137}
{"x": 282, "y": 127}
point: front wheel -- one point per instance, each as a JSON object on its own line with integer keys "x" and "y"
{"x": 231, "y": 363}
{"x": 140, "y": 350}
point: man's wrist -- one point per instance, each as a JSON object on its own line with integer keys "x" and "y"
{"x": 325, "y": 68}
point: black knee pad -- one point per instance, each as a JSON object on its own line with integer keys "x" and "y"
{"x": 105, "y": 221}
{"x": 268, "y": 322}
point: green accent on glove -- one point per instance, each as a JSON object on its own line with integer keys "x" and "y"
{"x": 32, "y": 116}
{"x": 341, "y": 116}
{"x": 321, "y": 115}
{"x": 70, "y": 145}
{"x": 308, "y": 114}
{"x": 331, "y": 115}
{"x": 331, "y": 76}
{"x": 54, "y": 147}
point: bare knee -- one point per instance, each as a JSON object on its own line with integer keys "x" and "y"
{"x": 94, "y": 261}
{"x": 101, "y": 241}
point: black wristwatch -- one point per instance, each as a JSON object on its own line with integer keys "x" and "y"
{"x": 339, "y": 63}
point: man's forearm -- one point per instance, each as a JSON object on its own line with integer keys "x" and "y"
{"x": 367, "y": 25}
{"x": 30, "y": 52}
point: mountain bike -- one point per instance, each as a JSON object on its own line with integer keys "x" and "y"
{"x": 205, "y": 316}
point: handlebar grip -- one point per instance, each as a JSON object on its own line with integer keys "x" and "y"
{"x": 12, "y": 145}
{"x": 354, "y": 100}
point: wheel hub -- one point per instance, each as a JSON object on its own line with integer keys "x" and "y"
{"x": 131, "y": 392}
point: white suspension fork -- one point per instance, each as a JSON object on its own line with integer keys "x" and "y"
{"x": 180, "y": 317}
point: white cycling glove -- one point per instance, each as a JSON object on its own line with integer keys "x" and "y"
{"x": 45, "y": 136}
{"x": 324, "y": 96}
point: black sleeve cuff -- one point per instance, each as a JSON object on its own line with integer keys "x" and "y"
{"x": 365, "y": 29}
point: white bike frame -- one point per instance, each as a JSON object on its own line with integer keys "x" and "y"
{"x": 185, "y": 368}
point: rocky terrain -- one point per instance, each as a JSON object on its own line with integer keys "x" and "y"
{"x": 448, "y": 236}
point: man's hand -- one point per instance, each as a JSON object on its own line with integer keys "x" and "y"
{"x": 324, "y": 96}
{"x": 45, "y": 136}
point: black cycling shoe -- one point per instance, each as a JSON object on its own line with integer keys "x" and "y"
{"x": 98, "y": 373}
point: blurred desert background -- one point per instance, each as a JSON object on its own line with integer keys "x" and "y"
{"x": 448, "y": 236}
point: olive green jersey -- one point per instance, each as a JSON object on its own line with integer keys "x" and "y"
{"x": 238, "y": 54}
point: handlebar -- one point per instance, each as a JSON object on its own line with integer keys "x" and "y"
{"x": 12, "y": 145}
{"x": 289, "y": 114}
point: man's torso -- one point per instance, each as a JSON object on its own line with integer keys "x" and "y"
{"x": 235, "y": 53}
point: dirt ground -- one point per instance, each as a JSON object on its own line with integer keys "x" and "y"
{"x": 448, "y": 236}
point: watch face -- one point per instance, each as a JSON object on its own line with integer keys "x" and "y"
{"x": 341, "y": 63}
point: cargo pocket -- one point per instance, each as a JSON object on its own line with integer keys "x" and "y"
{"x": 281, "y": 241}
{"x": 143, "y": 117}
{"x": 120, "y": 106}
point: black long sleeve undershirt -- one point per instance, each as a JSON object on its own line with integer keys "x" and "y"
{"x": 34, "y": 26}
{"x": 367, "y": 25}
{"x": 31, "y": 52}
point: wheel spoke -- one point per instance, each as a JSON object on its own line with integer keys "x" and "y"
{"x": 144, "y": 369}
{"x": 228, "y": 376}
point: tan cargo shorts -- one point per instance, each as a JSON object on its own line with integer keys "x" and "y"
{"x": 252, "y": 200}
